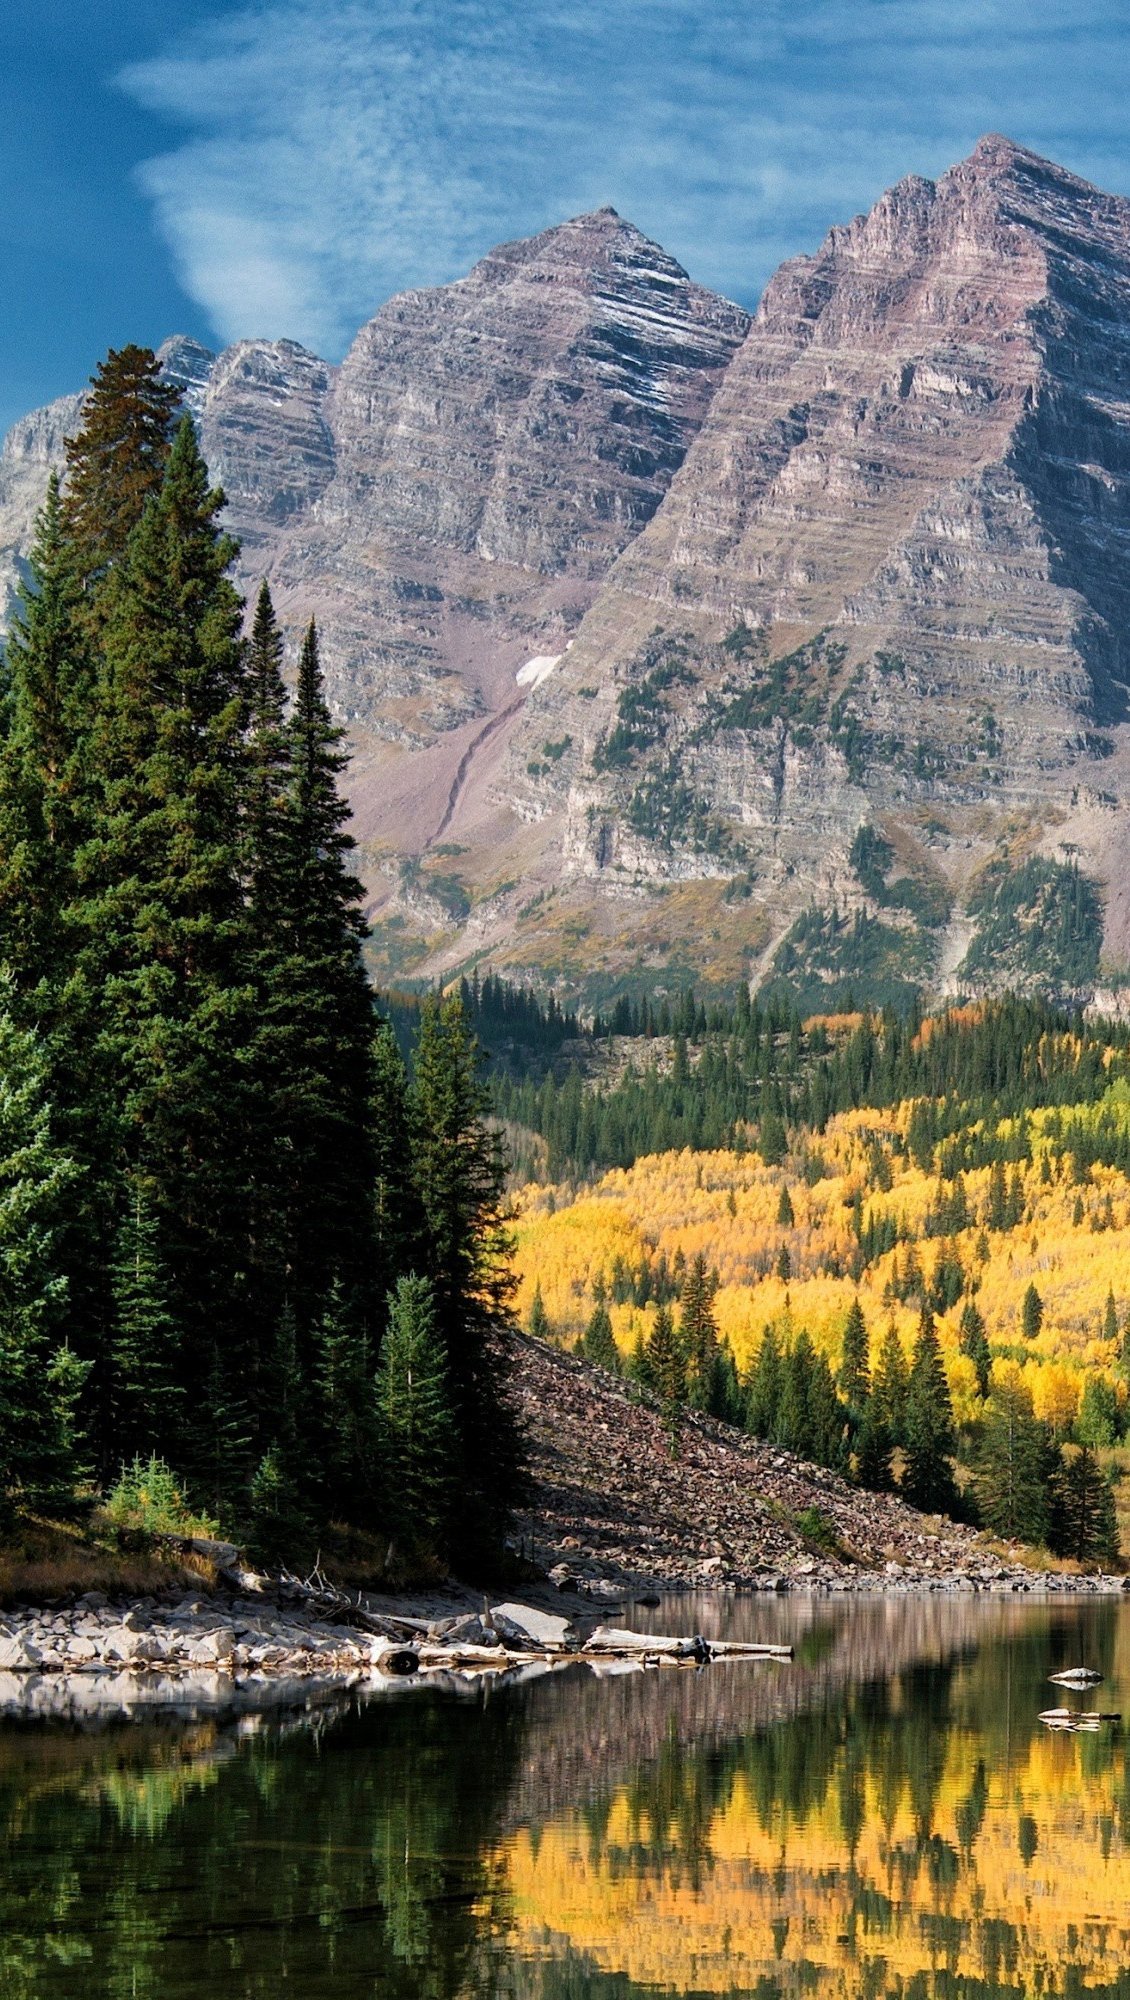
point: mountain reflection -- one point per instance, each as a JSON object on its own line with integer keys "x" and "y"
{"x": 885, "y": 1816}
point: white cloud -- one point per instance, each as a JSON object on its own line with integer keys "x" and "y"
{"x": 339, "y": 150}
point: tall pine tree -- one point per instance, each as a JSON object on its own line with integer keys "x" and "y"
{"x": 927, "y": 1480}
{"x": 117, "y": 459}
{"x": 459, "y": 1172}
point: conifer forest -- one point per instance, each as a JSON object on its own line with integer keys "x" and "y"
{"x": 242, "y": 1248}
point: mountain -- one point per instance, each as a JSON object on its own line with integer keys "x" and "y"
{"x": 448, "y": 500}
{"x": 676, "y": 645}
{"x": 851, "y": 710}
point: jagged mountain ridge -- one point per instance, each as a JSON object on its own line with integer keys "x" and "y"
{"x": 888, "y": 587}
{"x": 860, "y": 563}
{"x": 447, "y": 501}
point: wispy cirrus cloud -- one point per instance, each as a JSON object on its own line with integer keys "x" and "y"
{"x": 336, "y": 151}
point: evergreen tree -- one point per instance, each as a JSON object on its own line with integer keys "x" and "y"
{"x": 599, "y": 1343}
{"x": 399, "y": 1226}
{"x": 1110, "y": 1318}
{"x": 975, "y": 1343}
{"x": 160, "y": 920}
{"x": 794, "y": 1422}
{"x": 827, "y": 1418}
{"x": 50, "y": 676}
{"x": 38, "y": 1375}
{"x": 1010, "y": 1472}
{"x": 873, "y": 1450}
{"x": 1090, "y": 1524}
{"x": 539, "y": 1327}
{"x": 785, "y": 1213}
{"x": 891, "y": 1385}
{"x": 928, "y": 1476}
{"x": 342, "y": 1381}
{"x": 142, "y": 1379}
{"x": 855, "y": 1367}
{"x": 724, "y": 1399}
{"x": 763, "y": 1391}
{"x": 1031, "y": 1313}
{"x": 316, "y": 1013}
{"x": 666, "y": 1360}
{"x": 698, "y": 1333}
{"x": 116, "y": 461}
{"x": 459, "y": 1174}
{"x": 417, "y": 1423}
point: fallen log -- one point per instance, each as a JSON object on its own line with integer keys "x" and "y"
{"x": 612, "y": 1639}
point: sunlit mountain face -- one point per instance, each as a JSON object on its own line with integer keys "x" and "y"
{"x": 885, "y": 1817}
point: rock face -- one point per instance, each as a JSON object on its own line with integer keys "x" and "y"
{"x": 794, "y": 648}
{"x": 448, "y": 501}
{"x": 888, "y": 585}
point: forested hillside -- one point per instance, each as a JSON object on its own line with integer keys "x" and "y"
{"x": 915, "y": 1245}
{"x": 251, "y": 1269}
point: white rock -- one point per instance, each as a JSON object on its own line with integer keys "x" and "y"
{"x": 18, "y": 1654}
{"x": 541, "y": 1626}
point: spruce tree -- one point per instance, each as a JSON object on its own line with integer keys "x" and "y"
{"x": 315, "y": 1025}
{"x": 160, "y": 919}
{"x": 417, "y": 1426}
{"x": 598, "y": 1344}
{"x": 539, "y": 1327}
{"x": 666, "y": 1360}
{"x": 698, "y": 1332}
{"x": 927, "y": 1480}
{"x": 890, "y": 1385}
{"x": 398, "y": 1215}
{"x": 117, "y": 459}
{"x": 827, "y": 1418}
{"x": 975, "y": 1343}
{"x": 459, "y": 1174}
{"x": 142, "y": 1378}
{"x": 343, "y": 1432}
{"x": 50, "y": 676}
{"x": 1010, "y": 1469}
{"x": 1089, "y": 1530}
{"x": 1031, "y": 1313}
{"x": 855, "y": 1368}
{"x": 873, "y": 1450}
{"x": 38, "y": 1376}
{"x": 763, "y": 1390}
{"x": 793, "y": 1428}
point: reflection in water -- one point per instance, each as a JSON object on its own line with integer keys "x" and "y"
{"x": 885, "y": 1816}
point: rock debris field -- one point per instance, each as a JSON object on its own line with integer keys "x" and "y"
{"x": 614, "y": 1508}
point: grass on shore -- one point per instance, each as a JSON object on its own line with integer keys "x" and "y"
{"x": 42, "y": 1560}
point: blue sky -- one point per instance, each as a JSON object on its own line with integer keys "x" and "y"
{"x": 281, "y": 167}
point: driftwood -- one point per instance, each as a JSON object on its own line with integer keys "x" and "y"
{"x": 611, "y": 1639}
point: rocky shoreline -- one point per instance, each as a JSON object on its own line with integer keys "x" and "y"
{"x": 271, "y": 1648}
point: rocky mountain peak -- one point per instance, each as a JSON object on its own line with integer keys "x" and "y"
{"x": 189, "y": 364}
{"x": 886, "y": 599}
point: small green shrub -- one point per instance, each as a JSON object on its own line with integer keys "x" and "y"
{"x": 818, "y": 1532}
{"x": 147, "y": 1495}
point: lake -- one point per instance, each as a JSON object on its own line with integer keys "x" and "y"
{"x": 884, "y": 1815}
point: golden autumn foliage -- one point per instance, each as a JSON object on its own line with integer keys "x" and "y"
{"x": 1071, "y": 1241}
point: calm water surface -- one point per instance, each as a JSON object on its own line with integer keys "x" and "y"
{"x": 884, "y": 1816}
